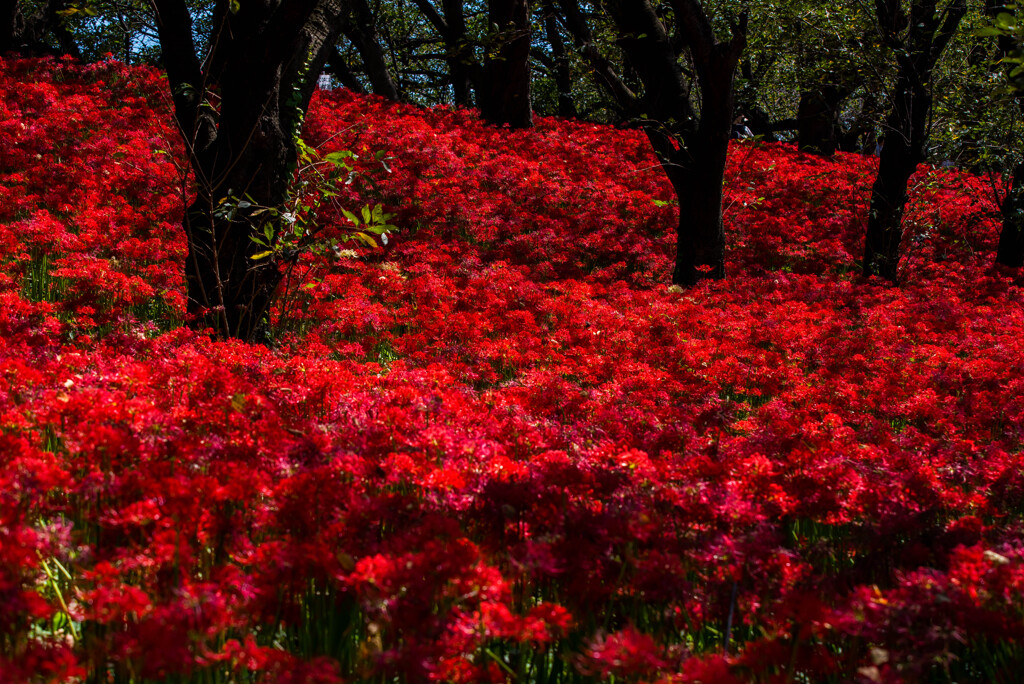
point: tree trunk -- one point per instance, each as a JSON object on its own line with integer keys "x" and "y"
{"x": 461, "y": 73}
{"x": 747, "y": 110}
{"x": 25, "y": 34}
{"x": 506, "y": 87}
{"x": 338, "y": 66}
{"x": 696, "y": 172}
{"x": 901, "y": 152}
{"x": 1011, "y": 238}
{"x": 601, "y": 68}
{"x": 1010, "y": 251}
{"x": 262, "y": 71}
{"x": 11, "y": 26}
{"x": 861, "y": 136}
{"x": 563, "y": 75}
{"x": 361, "y": 29}
{"x": 66, "y": 44}
{"x": 928, "y": 31}
{"x": 462, "y": 62}
{"x": 463, "y": 68}
{"x": 252, "y": 159}
{"x": 692, "y": 147}
{"x": 817, "y": 120}
{"x": 700, "y": 244}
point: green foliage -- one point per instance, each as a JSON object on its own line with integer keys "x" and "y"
{"x": 1007, "y": 27}
{"x": 799, "y": 45}
{"x": 124, "y": 28}
{"x": 285, "y": 232}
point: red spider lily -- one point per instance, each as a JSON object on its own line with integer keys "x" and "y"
{"x": 504, "y": 450}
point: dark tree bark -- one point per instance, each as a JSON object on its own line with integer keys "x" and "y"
{"x": 861, "y": 136}
{"x": 12, "y": 26}
{"x": 1010, "y": 251}
{"x": 66, "y": 44}
{"x": 917, "y": 32}
{"x": 602, "y": 68}
{"x": 239, "y": 111}
{"x": 360, "y": 27}
{"x": 818, "y": 119}
{"x": 337, "y": 65}
{"x": 504, "y": 96}
{"x": 692, "y": 144}
{"x": 562, "y": 72}
{"x": 752, "y": 115}
{"x": 463, "y": 67}
{"x": 26, "y": 34}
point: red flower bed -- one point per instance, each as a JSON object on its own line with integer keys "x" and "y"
{"x": 504, "y": 450}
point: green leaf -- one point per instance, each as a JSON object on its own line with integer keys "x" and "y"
{"x": 262, "y": 255}
{"x": 339, "y": 158}
{"x": 350, "y": 216}
{"x": 71, "y": 10}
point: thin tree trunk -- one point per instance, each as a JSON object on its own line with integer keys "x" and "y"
{"x": 361, "y": 29}
{"x": 1011, "y": 238}
{"x": 66, "y": 42}
{"x": 462, "y": 62}
{"x": 507, "y": 66}
{"x": 563, "y": 74}
{"x": 463, "y": 68}
{"x": 861, "y": 137}
{"x": 12, "y": 24}
{"x": 1010, "y": 251}
{"x": 340, "y": 68}
{"x": 601, "y": 67}
{"x": 754, "y": 117}
{"x": 461, "y": 73}
{"x": 927, "y": 34}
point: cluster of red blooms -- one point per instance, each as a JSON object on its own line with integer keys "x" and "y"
{"x": 506, "y": 450}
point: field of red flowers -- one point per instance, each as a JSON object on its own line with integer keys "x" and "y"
{"x": 503, "y": 450}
